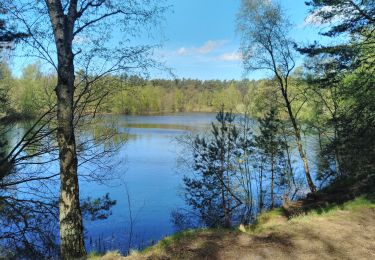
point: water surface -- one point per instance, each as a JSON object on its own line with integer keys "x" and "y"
{"x": 147, "y": 166}
{"x": 145, "y": 173}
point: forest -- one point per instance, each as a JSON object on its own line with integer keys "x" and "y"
{"x": 134, "y": 95}
{"x": 304, "y": 134}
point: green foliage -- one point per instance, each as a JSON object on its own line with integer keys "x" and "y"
{"x": 268, "y": 139}
{"x": 341, "y": 77}
{"x": 5, "y": 88}
{"x": 271, "y": 147}
{"x": 97, "y": 209}
{"x": 26, "y": 97}
{"x": 33, "y": 93}
{"x": 348, "y": 16}
{"x": 211, "y": 190}
{"x": 165, "y": 96}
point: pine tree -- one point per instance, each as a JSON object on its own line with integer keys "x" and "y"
{"x": 271, "y": 147}
{"x": 346, "y": 68}
{"x": 211, "y": 190}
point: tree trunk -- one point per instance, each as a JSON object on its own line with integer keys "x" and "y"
{"x": 272, "y": 183}
{"x": 225, "y": 208}
{"x": 225, "y": 204}
{"x": 337, "y": 141}
{"x": 261, "y": 188}
{"x": 297, "y": 134}
{"x": 71, "y": 227}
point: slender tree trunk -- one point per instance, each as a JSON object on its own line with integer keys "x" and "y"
{"x": 272, "y": 183}
{"x": 249, "y": 193}
{"x": 228, "y": 223}
{"x": 225, "y": 191}
{"x": 336, "y": 148}
{"x": 225, "y": 208}
{"x": 297, "y": 134}
{"x": 289, "y": 161}
{"x": 261, "y": 188}
{"x": 71, "y": 227}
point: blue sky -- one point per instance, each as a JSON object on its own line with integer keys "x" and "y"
{"x": 201, "y": 41}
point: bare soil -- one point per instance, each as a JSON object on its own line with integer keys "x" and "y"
{"x": 341, "y": 235}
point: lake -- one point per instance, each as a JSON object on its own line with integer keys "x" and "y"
{"x": 147, "y": 168}
{"x": 145, "y": 173}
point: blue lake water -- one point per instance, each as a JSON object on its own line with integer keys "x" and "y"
{"x": 147, "y": 167}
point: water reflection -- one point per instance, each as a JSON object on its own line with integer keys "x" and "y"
{"x": 146, "y": 166}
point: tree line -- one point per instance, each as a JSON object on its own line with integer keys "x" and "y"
{"x": 30, "y": 94}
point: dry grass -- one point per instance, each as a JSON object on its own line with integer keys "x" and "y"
{"x": 112, "y": 255}
{"x": 337, "y": 232}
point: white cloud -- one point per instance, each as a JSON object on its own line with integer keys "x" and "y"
{"x": 210, "y": 46}
{"x": 232, "y": 56}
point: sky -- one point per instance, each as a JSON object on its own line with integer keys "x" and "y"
{"x": 201, "y": 40}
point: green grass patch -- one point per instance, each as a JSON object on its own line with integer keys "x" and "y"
{"x": 329, "y": 210}
{"x": 96, "y": 256}
{"x": 170, "y": 240}
{"x": 271, "y": 219}
{"x": 267, "y": 220}
{"x": 353, "y": 205}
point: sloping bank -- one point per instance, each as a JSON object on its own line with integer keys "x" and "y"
{"x": 345, "y": 231}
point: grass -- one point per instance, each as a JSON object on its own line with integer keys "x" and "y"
{"x": 330, "y": 209}
{"x": 175, "y": 238}
{"x": 182, "y": 236}
{"x": 107, "y": 256}
{"x": 333, "y": 231}
{"x": 273, "y": 222}
{"x": 267, "y": 220}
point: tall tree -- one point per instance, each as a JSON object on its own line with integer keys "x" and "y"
{"x": 83, "y": 35}
{"x": 267, "y": 46}
{"x": 346, "y": 69}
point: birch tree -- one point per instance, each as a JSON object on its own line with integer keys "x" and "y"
{"x": 265, "y": 46}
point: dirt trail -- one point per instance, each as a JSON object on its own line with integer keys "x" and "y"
{"x": 342, "y": 235}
